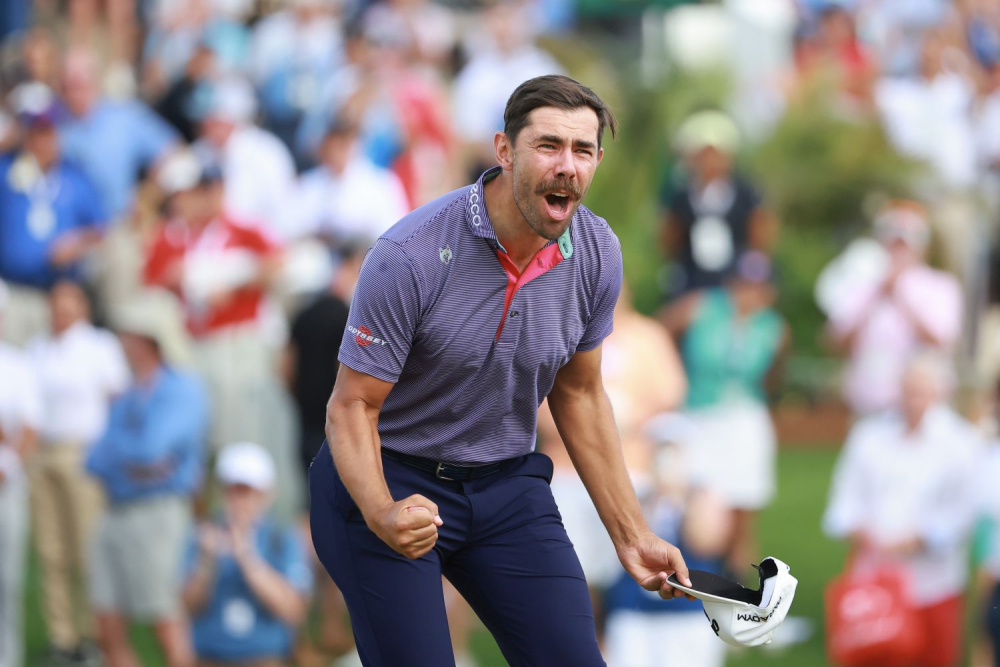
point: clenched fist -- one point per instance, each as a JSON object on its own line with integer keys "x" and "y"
{"x": 409, "y": 526}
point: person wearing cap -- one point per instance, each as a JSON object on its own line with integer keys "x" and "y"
{"x": 113, "y": 141}
{"x": 732, "y": 342}
{"x": 347, "y": 199}
{"x": 221, "y": 268}
{"x": 257, "y": 168}
{"x": 713, "y": 215}
{"x": 248, "y": 579}
{"x": 81, "y": 369}
{"x": 903, "y": 305}
{"x": 21, "y": 419}
{"x": 903, "y": 497}
{"x": 149, "y": 461}
{"x": 52, "y": 215}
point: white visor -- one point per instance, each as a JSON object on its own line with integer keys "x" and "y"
{"x": 741, "y": 616}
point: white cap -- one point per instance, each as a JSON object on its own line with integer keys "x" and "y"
{"x": 179, "y": 172}
{"x": 740, "y": 616}
{"x": 708, "y": 129}
{"x": 245, "y": 463}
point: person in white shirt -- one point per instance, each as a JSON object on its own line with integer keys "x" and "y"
{"x": 501, "y": 59}
{"x": 987, "y": 549}
{"x": 929, "y": 117}
{"x": 20, "y": 419}
{"x": 885, "y": 303}
{"x": 347, "y": 198}
{"x": 258, "y": 170}
{"x": 903, "y": 495}
{"x": 80, "y": 369}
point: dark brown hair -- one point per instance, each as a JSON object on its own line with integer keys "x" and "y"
{"x": 554, "y": 90}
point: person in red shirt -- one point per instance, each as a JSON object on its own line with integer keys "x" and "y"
{"x": 222, "y": 269}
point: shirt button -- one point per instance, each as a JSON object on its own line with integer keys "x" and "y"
{"x": 513, "y": 313}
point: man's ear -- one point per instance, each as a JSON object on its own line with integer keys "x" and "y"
{"x": 504, "y": 151}
{"x": 600, "y": 155}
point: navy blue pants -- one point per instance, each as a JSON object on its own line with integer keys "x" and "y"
{"x": 502, "y": 545}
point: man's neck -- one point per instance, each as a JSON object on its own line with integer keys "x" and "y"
{"x": 512, "y": 230}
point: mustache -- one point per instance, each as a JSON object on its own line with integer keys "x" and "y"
{"x": 548, "y": 187}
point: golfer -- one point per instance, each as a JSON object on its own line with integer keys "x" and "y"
{"x": 467, "y": 313}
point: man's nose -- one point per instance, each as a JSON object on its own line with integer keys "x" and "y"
{"x": 565, "y": 166}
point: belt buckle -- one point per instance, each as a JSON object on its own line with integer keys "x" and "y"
{"x": 437, "y": 473}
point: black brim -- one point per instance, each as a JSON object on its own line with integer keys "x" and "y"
{"x": 705, "y": 585}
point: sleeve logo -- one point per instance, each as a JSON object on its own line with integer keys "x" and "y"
{"x": 363, "y": 336}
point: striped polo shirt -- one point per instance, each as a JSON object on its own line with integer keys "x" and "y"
{"x": 472, "y": 346}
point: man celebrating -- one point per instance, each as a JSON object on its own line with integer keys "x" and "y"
{"x": 467, "y": 313}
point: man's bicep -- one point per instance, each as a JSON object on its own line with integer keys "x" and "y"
{"x": 355, "y": 386}
{"x": 580, "y": 375}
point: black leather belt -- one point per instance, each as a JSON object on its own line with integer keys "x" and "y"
{"x": 442, "y": 470}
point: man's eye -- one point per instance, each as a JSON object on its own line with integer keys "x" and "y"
{"x": 546, "y": 146}
{"x": 584, "y": 151}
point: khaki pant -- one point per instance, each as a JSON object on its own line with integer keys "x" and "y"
{"x": 249, "y": 404}
{"x": 65, "y": 502}
{"x": 26, "y": 315}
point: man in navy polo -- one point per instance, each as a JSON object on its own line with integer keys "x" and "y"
{"x": 467, "y": 313}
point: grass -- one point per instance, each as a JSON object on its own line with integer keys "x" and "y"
{"x": 789, "y": 529}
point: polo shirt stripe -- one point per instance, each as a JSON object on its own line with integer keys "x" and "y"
{"x": 425, "y": 317}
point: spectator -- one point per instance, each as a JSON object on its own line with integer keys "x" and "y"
{"x": 895, "y": 30}
{"x": 291, "y": 53}
{"x": 179, "y": 103}
{"x": 902, "y": 496}
{"x": 346, "y": 199}
{"x": 643, "y": 378}
{"x": 149, "y": 461}
{"x": 929, "y": 116}
{"x": 248, "y": 580}
{"x": 640, "y": 625}
{"x": 20, "y": 420}
{"x": 112, "y": 141}
{"x": 494, "y": 70}
{"x": 986, "y": 542}
{"x": 732, "y": 342}
{"x": 427, "y": 30}
{"x": 882, "y": 319}
{"x": 221, "y": 268}
{"x": 312, "y": 353}
{"x": 835, "y": 49}
{"x": 51, "y": 215}
{"x": 257, "y": 168}
{"x": 714, "y": 215}
{"x": 80, "y": 369}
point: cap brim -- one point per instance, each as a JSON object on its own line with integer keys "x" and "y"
{"x": 715, "y": 588}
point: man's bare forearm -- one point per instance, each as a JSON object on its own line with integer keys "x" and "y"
{"x": 587, "y": 427}
{"x": 352, "y": 432}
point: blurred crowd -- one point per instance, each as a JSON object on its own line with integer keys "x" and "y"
{"x": 188, "y": 188}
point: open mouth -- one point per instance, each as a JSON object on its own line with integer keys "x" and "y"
{"x": 558, "y": 205}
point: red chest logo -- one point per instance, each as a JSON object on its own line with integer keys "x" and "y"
{"x": 363, "y": 337}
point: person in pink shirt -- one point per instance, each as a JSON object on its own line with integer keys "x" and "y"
{"x": 903, "y": 305}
